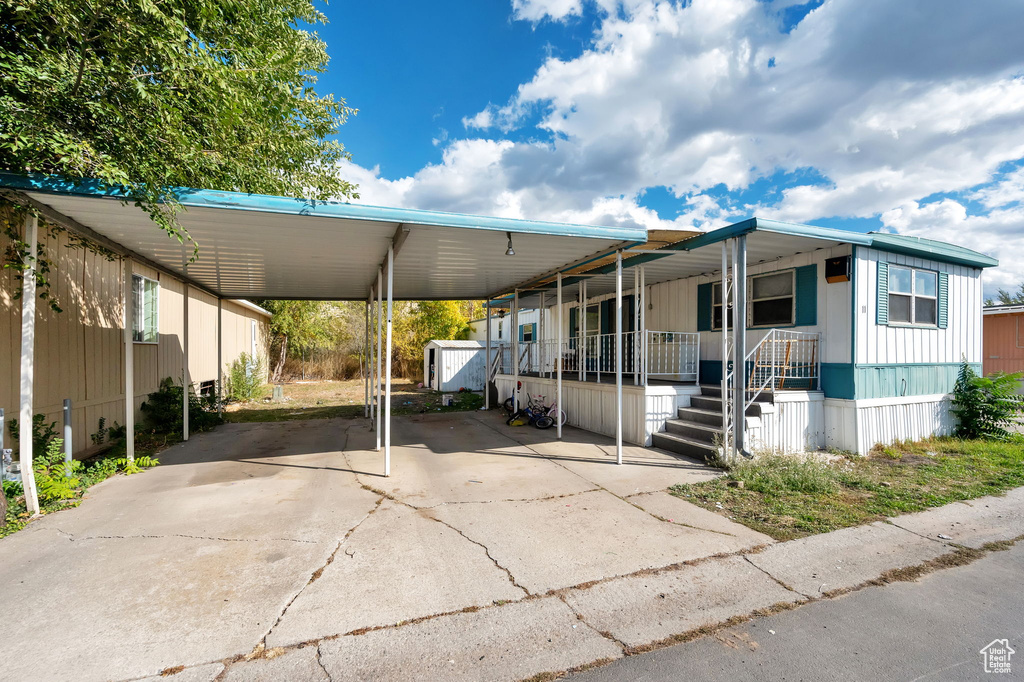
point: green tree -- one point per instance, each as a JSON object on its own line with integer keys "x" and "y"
{"x": 297, "y": 327}
{"x": 150, "y": 95}
{"x": 1004, "y": 297}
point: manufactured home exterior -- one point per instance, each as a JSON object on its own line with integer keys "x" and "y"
{"x": 80, "y": 351}
{"x": 853, "y": 340}
{"x": 1003, "y": 339}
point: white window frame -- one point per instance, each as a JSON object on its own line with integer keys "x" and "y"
{"x": 532, "y": 328}
{"x": 716, "y": 300}
{"x": 140, "y": 312}
{"x": 913, "y": 296}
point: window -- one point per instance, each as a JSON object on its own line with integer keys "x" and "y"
{"x": 593, "y": 321}
{"x": 770, "y": 301}
{"x": 145, "y": 327}
{"x": 527, "y": 332}
{"x": 913, "y": 296}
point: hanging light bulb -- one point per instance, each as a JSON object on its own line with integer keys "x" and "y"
{"x": 509, "y": 251}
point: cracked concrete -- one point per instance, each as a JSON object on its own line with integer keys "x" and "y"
{"x": 263, "y": 552}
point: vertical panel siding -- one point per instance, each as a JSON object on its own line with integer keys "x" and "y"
{"x": 859, "y": 425}
{"x": 883, "y": 344}
{"x": 79, "y": 352}
{"x": 1003, "y": 339}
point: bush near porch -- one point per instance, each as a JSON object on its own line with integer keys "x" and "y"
{"x": 788, "y": 497}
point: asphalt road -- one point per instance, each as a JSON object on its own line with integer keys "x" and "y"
{"x": 932, "y": 629}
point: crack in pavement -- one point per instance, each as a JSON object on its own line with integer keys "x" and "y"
{"x": 780, "y": 583}
{"x": 320, "y": 662}
{"x": 524, "y": 499}
{"x": 190, "y": 537}
{"x": 511, "y": 578}
{"x": 579, "y": 616}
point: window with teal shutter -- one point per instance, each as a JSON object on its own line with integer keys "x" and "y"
{"x": 704, "y": 307}
{"x": 943, "y": 300}
{"x": 882, "y": 294}
{"x": 807, "y": 296}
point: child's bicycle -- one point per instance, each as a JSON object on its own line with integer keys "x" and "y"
{"x": 534, "y": 412}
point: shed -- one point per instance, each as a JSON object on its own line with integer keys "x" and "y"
{"x": 1002, "y": 339}
{"x": 451, "y": 365}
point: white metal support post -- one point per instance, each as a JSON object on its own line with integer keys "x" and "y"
{"x": 387, "y": 361}
{"x": 726, "y": 454}
{"x": 185, "y": 378}
{"x": 366, "y": 356}
{"x": 739, "y": 325}
{"x": 129, "y": 363}
{"x": 380, "y": 316}
{"x": 582, "y": 326}
{"x": 559, "y": 357}
{"x": 28, "y": 347}
{"x": 643, "y": 324}
{"x": 618, "y": 356}
{"x": 637, "y": 332}
{"x": 515, "y": 352}
{"x": 220, "y": 358}
{"x": 540, "y": 335}
{"x": 487, "y": 357}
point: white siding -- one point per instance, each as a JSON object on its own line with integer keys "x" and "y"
{"x": 858, "y": 426}
{"x": 455, "y": 368}
{"x": 672, "y": 306}
{"x": 882, "y": 344}
{"x": 795, "y": 423}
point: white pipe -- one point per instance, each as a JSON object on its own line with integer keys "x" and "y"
{"x": 387, "y": 361}
{"x": 515, "y": 352}
{"x": 380, "y": 315}
{"x": 618, "y": 356}
{"x": 560, "y": 356}
{"x": 366, "y": 357}
{"x": 220, "y": 359}
{"x": 185, "y": 378}
{"x": 129, "y": 363}
{"x": 487, "y": 358}
{"x": 28, "y": 347}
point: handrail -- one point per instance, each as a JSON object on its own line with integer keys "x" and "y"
{"x": 801, "y": 361}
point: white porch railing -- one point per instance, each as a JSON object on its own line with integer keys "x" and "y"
{"x": 784, "y": 360}
{"x": 664, "y": 355}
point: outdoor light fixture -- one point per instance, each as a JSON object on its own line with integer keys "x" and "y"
{"x": 509, "y": 251}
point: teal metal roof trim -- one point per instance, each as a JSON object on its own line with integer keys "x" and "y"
{"x": 894, "y": 243}
{"x": 241, "y": 201}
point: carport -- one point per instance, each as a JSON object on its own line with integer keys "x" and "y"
{"x": 257, "y": 246}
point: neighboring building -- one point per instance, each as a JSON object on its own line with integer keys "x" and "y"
{"x": 853, "y": 339}
{"x": 1003, "y": 339}
{"x": 451, "y": 365}
{"x": 501, "y": 326}
{"x": 80, "y": 351}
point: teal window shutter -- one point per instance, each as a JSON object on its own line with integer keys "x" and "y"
{"x": 882, "y": 295}
{"x": 704, "y": 307}
{"x": 943, "y": 300}
{"x": 807, "y": 296}
{"x": 573, "y": 324}
{"x": 521, "y": 327}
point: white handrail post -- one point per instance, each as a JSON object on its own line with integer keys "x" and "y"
{"x": 487, "y": 356}
{"x": 366, "y": 358}
{"x": 582, "y": 328}
{"x": 739, "y": 268}
{"x": 28, "y": 348}
{"x": 220, "y": 358}
{"x": 725, "y": 350}
{"x": 540, "y": 335}
{"x": 560, "y": 357}
{"x": 643, "y": 324}
{"x": 618, "y": 356}
{"x": 387, "y": 361}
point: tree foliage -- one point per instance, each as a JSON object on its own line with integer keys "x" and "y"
{"x": 1004, "y": 297}
{"x": 150, "y": 95}
{"x": 297, "y": 327}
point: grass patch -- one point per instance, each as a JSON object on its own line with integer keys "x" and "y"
{"x": 792, "y": 497}
{"x": 344, "y": 400}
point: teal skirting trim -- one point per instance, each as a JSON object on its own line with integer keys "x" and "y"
{"x": 846, "y": 381}
{"x": 891, "y": 381}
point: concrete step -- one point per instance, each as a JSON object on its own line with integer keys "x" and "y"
{"x": 705, "y": 433}
{"x": 715, "y": 391}
{"x": 681, "y": 445}
{"x": 699, "y": 416}
{"x": 715, "y": 405}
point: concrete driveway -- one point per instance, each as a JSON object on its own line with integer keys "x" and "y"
{"x": 259, "y": 540}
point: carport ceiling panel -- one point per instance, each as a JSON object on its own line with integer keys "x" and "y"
{"x": 456, "y": 263}
{"x": 263, "y": 255}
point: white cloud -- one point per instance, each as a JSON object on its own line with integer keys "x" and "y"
{"x": 890, "y": 103}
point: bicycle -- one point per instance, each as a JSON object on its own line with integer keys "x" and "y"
{"x": 535, "y": 412}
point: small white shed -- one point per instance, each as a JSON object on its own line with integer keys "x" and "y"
{"x": 451, "y": 365}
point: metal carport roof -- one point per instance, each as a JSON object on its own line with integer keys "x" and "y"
{"x": 258, "y": 246}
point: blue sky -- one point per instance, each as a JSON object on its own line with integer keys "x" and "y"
{"x": 861, "y": 114}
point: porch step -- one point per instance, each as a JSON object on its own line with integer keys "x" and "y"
{"x": 698, "y": 416}
{"x": 682, "y": 445}
{"x": 705, "y": 433}
{"x": 715, "y": 405}
{"x": 715, "y": 391}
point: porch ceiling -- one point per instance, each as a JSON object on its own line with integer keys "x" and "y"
{"x": 254, "y": 246}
